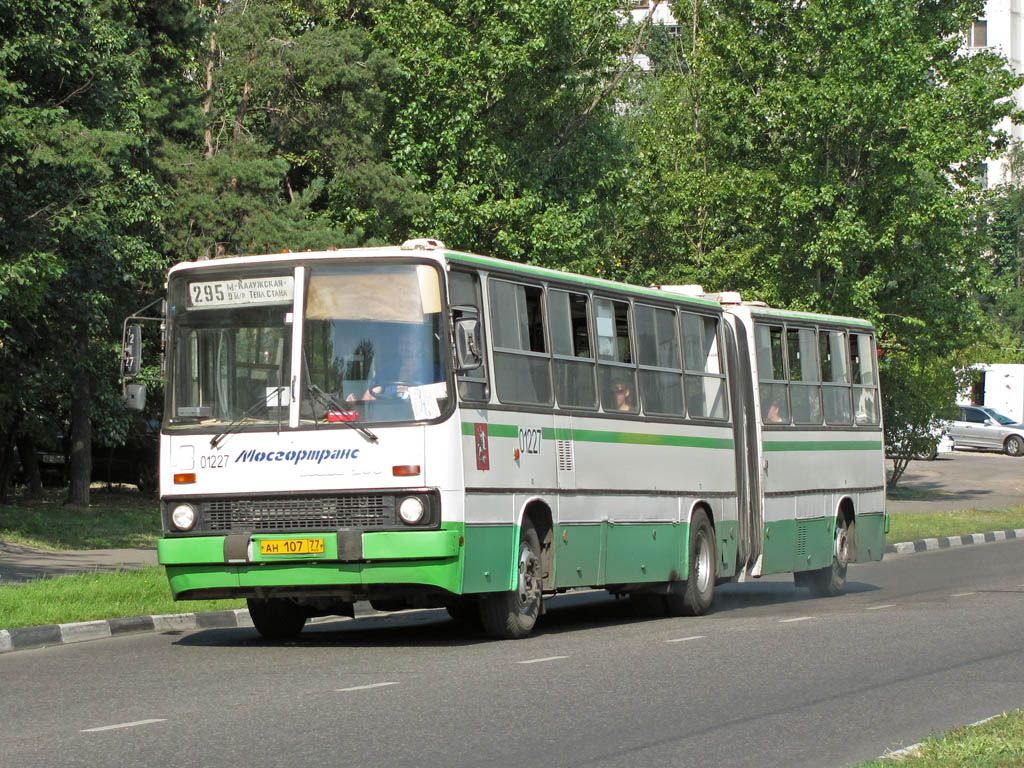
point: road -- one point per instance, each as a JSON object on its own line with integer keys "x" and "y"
{"x": 772, "y": 677}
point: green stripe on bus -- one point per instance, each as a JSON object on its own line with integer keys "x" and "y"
{"x": 823, "y": 445}
{"x": 602, "y": 436}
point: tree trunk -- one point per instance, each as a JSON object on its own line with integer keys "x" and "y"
{"x": 81, "y": 425}
{"x": 30, "y": 463}
{"x": 6, "y": 464}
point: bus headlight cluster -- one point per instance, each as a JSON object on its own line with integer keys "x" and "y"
{"x": 411, "y": 510}
{"x": 183, "y": 517}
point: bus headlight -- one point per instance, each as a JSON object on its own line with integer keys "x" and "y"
{"x": 411, "y": 510}
{"x": 183, "y": 517}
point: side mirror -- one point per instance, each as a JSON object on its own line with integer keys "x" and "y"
{"x": 131, "y": 350}
{"x": 135, "y": 397}
{"x": 468, "y": 344}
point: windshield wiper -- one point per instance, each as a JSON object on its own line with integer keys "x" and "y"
{"x": 328, "y": 401}
{"x": 217, "y": 440}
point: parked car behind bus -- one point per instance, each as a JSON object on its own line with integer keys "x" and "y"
{"x": 986, "y": 428}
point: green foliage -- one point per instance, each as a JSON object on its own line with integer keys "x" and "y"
{"x": 491, "y": 120}
{"x": 920, "y": 393}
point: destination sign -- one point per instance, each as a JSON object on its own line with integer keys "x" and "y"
{"x": 243, "y": 292}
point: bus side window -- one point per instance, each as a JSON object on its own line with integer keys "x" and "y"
{"x": 703, "y": 377}
{"x": 616, "y": 372}
{"x": 522, "y": 367}
{"x": 862, "y": 364}
{"x": 657, "y": 351}
{"x": 570, "y": 343}
{"x": 835, "y": 377}
{"x": 804, "y": 375}
{"x": 771, "y": 373}
{"x": 465, "y": 296}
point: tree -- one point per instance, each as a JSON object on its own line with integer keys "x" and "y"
{"x": 77, "y": 198}
{"x": 289, "y": 152}
{"x": 502, "y": 116}
{"x": 821, "y": 156}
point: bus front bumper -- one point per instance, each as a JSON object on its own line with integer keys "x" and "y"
{"x": 200, "y": 567}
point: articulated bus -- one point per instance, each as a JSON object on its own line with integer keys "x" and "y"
{"x": 419, "y": 427}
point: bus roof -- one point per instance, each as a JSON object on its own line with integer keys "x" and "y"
{"x": 436, "y": 251}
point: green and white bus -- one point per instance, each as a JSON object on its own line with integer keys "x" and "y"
{"x": 419, "y": 427}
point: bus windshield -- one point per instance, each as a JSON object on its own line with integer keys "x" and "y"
{"x": 230, "y": 356}
{"x": 372, "y": 348}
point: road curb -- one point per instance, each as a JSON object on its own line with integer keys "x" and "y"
{"x": 25, "y": 638}
{"x": 949, "y": 542}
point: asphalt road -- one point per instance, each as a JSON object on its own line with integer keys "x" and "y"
{"x": 772, "y": 677}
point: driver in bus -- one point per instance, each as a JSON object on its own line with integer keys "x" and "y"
{"x": 408, "y": 364}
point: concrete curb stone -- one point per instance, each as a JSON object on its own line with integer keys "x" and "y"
{"x": 24, "y": 638}
{"x": 947, "y": 542}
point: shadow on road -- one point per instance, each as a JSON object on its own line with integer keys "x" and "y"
{"x": 566, "y": 613}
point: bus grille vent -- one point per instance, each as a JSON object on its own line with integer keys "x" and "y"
{"x": 299, "y": 513}
{"x": 564, "y": 450}
{"x": 801, "y": 539}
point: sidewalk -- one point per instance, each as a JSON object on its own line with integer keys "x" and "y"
{"x": 20, "y": 563}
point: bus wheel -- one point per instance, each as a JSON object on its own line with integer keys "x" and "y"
{"x": 831, "y": 581}
{"x": 511, "y": 615}
{"x": 276, "y": 618}
{"x": 693, "y": 596}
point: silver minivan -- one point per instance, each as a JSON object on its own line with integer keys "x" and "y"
{"x": 983, "y": 427}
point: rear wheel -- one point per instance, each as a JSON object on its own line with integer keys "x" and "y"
{"x": 831, "y": 581}
{"x": 276, "y": 618}
{"x": 512, "y": 614}
{"x": 693, "y": 597}
{"x": 1013, "y": 446}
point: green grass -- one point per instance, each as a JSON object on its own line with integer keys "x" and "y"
{"x": 912, "y": 525}
{"x": 90, "y": 596}
{"x": 121, "y": 517}
{"x": 996, "y": 743}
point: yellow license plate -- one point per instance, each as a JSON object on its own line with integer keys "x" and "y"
{"x": 291, "y": 546}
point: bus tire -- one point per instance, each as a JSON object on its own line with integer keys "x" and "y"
{"x": 512, "y": 615}
{"x": 693, "y": 597}
{"x": 276, "y": 618}
{"x": 831, "y": 581}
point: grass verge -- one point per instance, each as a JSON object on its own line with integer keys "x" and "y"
{"x": 116, "y": 518}
{"x": 912, "y": 526}
{"x": 996, "y": 743}
{"x": 90, "y": 596}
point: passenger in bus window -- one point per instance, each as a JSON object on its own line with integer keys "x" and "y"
{"x": 773, "y": 415}
{"x": 623, "y": 395}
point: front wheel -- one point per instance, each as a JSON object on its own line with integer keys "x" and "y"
{"x": 1013, "y": 446}
{"x": 693, "y": 597}
{"x": 276, "y": 618}
{"x": 512, "y": 615}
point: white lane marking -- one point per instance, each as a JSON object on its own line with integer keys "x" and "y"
{"x": 538, "y": 661}
{"x": 364, "y": 687}
{"x": 684, "y": 639}
{"x": 123, "y": 725}
{"x": 963, "y": 594}
{"x": 798, "y": 618}
{"x": 880, "y": 607}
